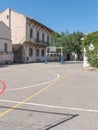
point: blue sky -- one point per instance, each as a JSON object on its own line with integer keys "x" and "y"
{"x": 59, "y": 15}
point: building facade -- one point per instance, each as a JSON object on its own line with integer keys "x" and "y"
{"x": 6, "y": 55}
{"x": 29, "y": 37}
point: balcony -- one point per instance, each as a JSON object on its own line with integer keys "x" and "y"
{"x": 34, "y": 40}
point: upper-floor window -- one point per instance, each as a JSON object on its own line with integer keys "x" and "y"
{"x": 48, "y": 39}
{"x": 43, "y": 37}
{"x": 31, "y": 32}
{"x": 7, "y": 16}
{"x": 52, "y": 39}
{"x": 5, "y": 47}
{"x": 37, "y": 36}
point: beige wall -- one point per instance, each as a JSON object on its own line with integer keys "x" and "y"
{"x": 36, "y": 28}
{"x": 5, "y": 17}
{"x": 5, "y": 37}
{"x": 4, "y": 31}
{"x": 17, "y": 24}
{"x": 18, "y": 28}
{"x": 34, "y": 58}
{"x": 2, "y": 41}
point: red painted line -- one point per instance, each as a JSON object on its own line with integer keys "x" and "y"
{"x": 3, "y": 87}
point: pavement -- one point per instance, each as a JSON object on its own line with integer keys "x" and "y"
{"x": 49, "y": 96}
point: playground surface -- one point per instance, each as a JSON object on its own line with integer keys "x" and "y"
{"x": 51, "y": 96}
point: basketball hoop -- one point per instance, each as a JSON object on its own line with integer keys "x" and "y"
{"x": 53, "y": 51}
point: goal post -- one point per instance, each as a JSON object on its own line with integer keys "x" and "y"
{"x": 54, "y": 52}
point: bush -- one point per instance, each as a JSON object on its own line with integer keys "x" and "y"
{"x": 90, "y": 43}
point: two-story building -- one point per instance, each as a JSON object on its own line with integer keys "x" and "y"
{"x": 6, "y": 55}
{"x": 29, "y": 37}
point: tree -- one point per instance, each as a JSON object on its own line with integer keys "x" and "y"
{"x": 69, "y": 42}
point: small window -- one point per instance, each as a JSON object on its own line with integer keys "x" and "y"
{"x": 30, "y": 51}
{"x": 5, "y": 47}
{"x": 43, "y": 53}
{"x": 37, "y": 52}
{"x": 48, "y": 39}
{"x": 7, "y": 16}
{"x": 43, "y": 37}
{"x": 31, "y": 33}
{"x": 37, "y": 36}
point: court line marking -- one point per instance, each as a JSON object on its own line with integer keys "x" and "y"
{"x": 52, "y": 106}
{"x": 33, "y": 95}
{"x": 3, "y": 87}
{"x": 57, "y": 74}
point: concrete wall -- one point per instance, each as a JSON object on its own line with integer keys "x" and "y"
{"x": 5, "y": 16}
{"x": 85, "y": 62}
{"x": 18, "y": 28}
{"x": 6, "y": 58}
{"x": 17, "y": 23}
{"x": 5, "y": 38}
{"x": 4, "y": 31}
{"x": 34, "y": 58}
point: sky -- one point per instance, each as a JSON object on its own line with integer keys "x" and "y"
{"x": 59, "y": 15}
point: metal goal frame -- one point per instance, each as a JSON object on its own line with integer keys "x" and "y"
{"x": 53, "y": 50}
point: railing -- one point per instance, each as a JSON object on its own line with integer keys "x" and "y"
{"x": 38, "y": 41}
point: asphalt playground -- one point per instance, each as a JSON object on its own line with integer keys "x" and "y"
{"x": 51, "y": 96}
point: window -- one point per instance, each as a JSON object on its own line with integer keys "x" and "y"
{"x": 37, "y": 52}
{"x": 43, "y": 37}
{"x": 52, "y": 40}
{"x": 5, "y": 47}
{"x": 31, "y": 33}
{"x": 43, "y": 53}
{"x": 30, "y": 51}
{"x": 37, "y": 36}
{"x": 7, "y": 16}
{"x": 47, "y": 39}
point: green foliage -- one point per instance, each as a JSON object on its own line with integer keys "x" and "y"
{"x": 69, "y": 42}
{"x": 91, "y": 53}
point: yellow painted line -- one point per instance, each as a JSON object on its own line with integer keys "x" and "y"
{"x": 30, "y": 97}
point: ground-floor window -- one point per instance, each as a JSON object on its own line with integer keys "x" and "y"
{"x": 5, "y": 47}
{"x": 30, "y": 52}
{"x": 37, "y": 52}
{"x": 43, "y": 53}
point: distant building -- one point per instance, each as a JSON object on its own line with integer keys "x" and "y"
{"x": 6, "y": 55}
{"x": 29, "y": 37}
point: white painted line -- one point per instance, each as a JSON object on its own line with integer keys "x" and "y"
{"x": 51, "y": 106}
{"x": 31, "y": 86}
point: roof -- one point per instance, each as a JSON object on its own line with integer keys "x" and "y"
{"x": 32, "y": 20}
{"x": 40, "y": 24}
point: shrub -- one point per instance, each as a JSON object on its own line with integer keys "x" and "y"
{"x": 90, "y": 43}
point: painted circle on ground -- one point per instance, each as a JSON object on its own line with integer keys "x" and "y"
{"x": 3, "y": 87}
{"x": 39, "y": 84}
